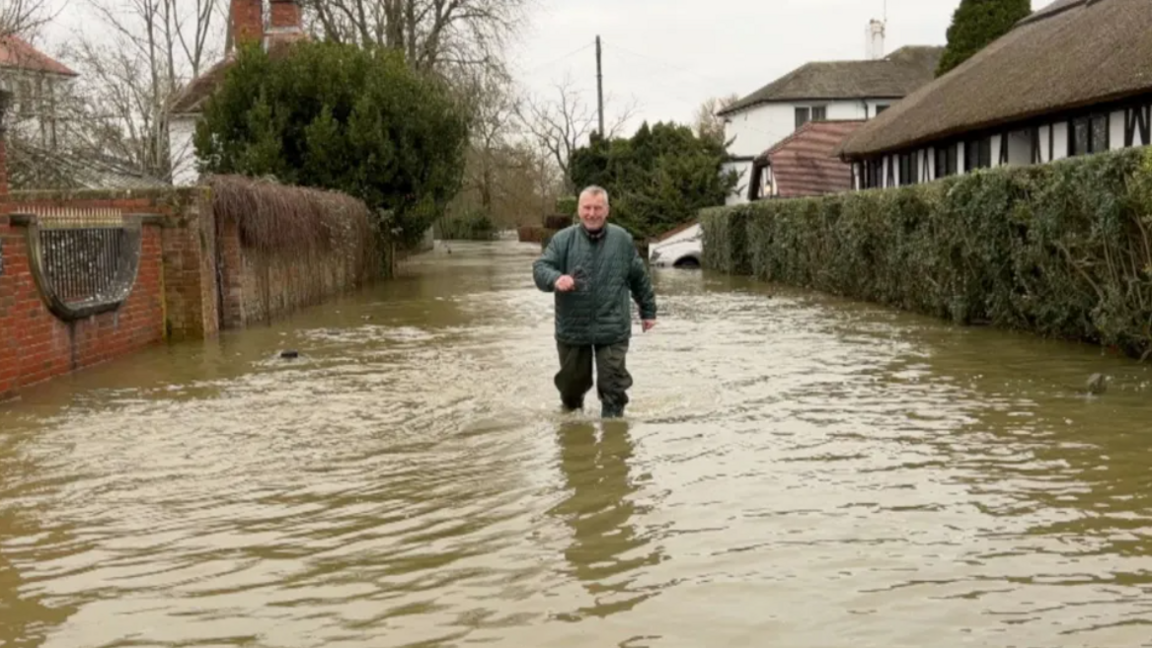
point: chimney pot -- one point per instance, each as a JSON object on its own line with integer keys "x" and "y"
{"x": 874, "y": 43}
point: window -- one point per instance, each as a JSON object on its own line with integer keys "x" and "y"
{"x": 873, "y": 174}
{"x": 907, "y": 169}
{"x": 946, "y": 160}
{"x": 802, "y": 116}
{"x": 24, "y": 96}
{"x": 805, "y": 114}
{"x": 881, "y": 108}
{"x": 1088, "y": 135}
{"x": 978, "y": 154}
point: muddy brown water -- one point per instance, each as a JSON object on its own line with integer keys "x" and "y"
{"x": 795, "y": 470}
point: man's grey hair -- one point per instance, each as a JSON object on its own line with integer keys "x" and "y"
{"x": 595, "y": 190}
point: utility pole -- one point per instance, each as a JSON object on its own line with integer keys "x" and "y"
{"x": 599, "y": 86}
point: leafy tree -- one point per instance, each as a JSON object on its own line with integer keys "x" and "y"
{"x": 345, "y": 118}
{"x": 658, "y": 178}
{"x": 975, "y": 24}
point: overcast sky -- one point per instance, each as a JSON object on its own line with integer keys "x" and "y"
{"x": 670, "y": 55}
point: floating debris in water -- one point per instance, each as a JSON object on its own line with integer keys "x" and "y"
{"x": 289, "y": 354}
{"x": 1097, "y": 384}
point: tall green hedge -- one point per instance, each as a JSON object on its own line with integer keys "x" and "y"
{"x": 1061, "y": 249}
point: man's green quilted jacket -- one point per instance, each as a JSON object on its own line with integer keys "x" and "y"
{"x": 608, "y": 272}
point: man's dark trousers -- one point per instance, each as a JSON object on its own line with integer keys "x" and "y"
{"x": 612, "y": 378}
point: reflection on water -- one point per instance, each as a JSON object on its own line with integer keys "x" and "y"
{"x": 795, "y": 470}
{"x": 606, "y": 548}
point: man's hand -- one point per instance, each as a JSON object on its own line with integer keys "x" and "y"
{"x": 565, "y": 283}
{"x": 647, "y": 325}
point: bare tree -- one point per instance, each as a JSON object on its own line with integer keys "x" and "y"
{"x": 23, "y": 17}
{"x": 433, "y": 34}
{"x": 130, "y": 79}
{"x": 117, "y": 107}
{"x": 562, "y": 125}
{"x": 706, "y": 123}
{"x": 491, "y": 104}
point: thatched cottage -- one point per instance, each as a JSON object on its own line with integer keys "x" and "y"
{"x": 1073, "y": 78}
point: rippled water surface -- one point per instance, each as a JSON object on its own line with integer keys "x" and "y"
{"x": 794, "y": 471}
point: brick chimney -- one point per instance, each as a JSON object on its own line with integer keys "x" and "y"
{"x": 286, "y": 16}
{"x": 247, "y": 22}
{"x": 285, "y": 24}
{"x": 5, "y": 102}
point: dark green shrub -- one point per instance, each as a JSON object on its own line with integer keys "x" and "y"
{"x": 1061, "y": 249}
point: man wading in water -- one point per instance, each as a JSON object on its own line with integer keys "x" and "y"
{"x": 593, "y": 268}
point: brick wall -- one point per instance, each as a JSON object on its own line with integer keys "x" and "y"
{"x": 191, "y": 300}
{"x": 35, "y": 345}
{"x": 258, "y": 286}
{"x": 231, "y": 274}
{"x": 196, "y": 276}
{"x": 273, "y": 285}
{"x": 174, "y": 295}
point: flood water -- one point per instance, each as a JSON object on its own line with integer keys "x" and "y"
{"x": 794, "y": 471}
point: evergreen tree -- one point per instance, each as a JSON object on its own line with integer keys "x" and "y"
{"x": 344, "y": 118}
{"x": 657, "y": 179}
{"x": 975, "y": 24}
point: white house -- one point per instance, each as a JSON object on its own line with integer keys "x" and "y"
{"x": 1073, "y": 78}
{"x": 279, "y": 25}
{"x": 43, "y": 150}
{"x": 38, "y": 84}
{"x": 818, "y": 91}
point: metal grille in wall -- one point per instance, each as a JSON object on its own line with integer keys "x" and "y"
{"x": 84, "y": 260}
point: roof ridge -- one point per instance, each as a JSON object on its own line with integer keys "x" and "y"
{"x": 18, "y": 53}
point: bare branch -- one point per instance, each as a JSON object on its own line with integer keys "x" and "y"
{"x": 24, "y": 17}
{"x": 433, "y": 34}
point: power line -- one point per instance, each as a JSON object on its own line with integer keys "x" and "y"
{"x": 665, "y": 64}
{"x": 561, "y": 58}
{"x": 665, "y": 91}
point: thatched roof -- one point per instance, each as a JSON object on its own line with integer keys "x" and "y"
{"x": 804, "y": 163}
{"x": 891, "y": 77}
{"x": 1070, "y": 54}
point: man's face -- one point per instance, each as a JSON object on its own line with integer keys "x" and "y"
{"x": 593, "y": 211}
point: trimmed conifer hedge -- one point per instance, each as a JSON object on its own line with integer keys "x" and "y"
{"x": 1061, "y": 249}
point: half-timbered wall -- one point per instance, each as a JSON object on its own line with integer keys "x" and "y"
{"x": 1067, "y": 135}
